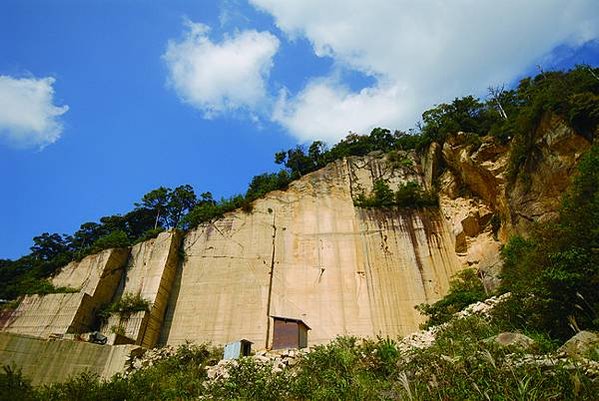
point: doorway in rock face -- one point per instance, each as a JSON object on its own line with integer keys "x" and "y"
{"x": 289, "y": 333}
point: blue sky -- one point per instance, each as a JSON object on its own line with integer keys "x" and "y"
{"x": 102, "y": 101}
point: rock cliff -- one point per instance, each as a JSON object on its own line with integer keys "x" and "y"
{"x": 309, "y": 253}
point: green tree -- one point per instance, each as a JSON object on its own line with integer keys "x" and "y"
{"x": 48, "y": 246}
{"x": 157, "y": 201}
{"x": 180, "y": 201}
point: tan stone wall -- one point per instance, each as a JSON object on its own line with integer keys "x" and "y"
{"x": 96, "y": 277}
{"x": 41, "y": 316}
{"x": 220, "y": 292}
{"x": 150, "y": 273}
{"x": 341, "y": 269}
{"x": 44, "y": 361}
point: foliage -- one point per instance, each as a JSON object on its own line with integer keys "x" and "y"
{"x": 464, "y": 289}
{"x": 209, "y": 210}
{"x": 13, "y": 386}
{"x": 249, "y": 380}
{"x": 168, "y": 205}
{"x": 408, "y": 195}
{"x": 267, "y": 182}
{"x": 116, "y": 239}
{"x": 126, "y": 306}
{"x": 466, "y": 114}
{"x": 151, "y": 233}
{"x": 460, "y": 365}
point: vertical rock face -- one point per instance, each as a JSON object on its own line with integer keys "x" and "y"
{"x": 96, "y": 277}
{"x": 149, "y": 274}
{"x": 45, "y": 362}
{"x": 221, "y": 288}
{"x": 42, "y": 315}
{"x": 340, "y": 269}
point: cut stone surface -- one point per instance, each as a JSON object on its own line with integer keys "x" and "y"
{"x": 339, "y": 268}
{"x": 44, "y": 361}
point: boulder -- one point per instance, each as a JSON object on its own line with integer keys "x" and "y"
{"x": 513, "y": 340}
{"x": 582, "y": 344}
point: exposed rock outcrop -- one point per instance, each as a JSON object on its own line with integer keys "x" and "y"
{"x": 484, "y": 206}
{"x": 149, "y": 274}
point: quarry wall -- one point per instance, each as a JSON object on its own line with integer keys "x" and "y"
{"x": 305, "y": 253}
{"x": 95, "y": 279}
{"x": 308, "y": 253}
{"x": 44, "y": 361}
{"x": 149, "y": 274}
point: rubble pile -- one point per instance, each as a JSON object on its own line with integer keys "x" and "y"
{"x": 277, "y": 359}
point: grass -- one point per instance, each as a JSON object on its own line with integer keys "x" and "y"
{"x": 460, "y": 365}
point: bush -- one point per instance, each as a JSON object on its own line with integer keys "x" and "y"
{"x": 149, "y": 234}
{"x": 464, "y": 289}
{"x": 408, "y": 195}
{"x": 250, "y": 380}
{"x": 460, "y": 365}
{"x": 13, "y": 386}
{"x": 116, "y": 239}
{"x": 126, "y": 306}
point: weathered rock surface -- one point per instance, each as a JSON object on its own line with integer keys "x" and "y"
{"x": 484, "y": 207}
{"x": 537, "y": 194}
{"x": 339, "y": 268}
{"x": 150, "y": 273}
{"x": 514, "y": 341}
{"x": 581, "y": 345}
{"x": 96, "y": 277}
{"x": 51, "y": 361}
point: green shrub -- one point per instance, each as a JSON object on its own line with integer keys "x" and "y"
{"x": 127, "y": 305}
{"x": 250, "y": 380}
{"x": 149, "y": 234}
{"x": 116, "y": 239}
{"x": 464, "y": 289}
{"x": 13, "y": 386}
{"x": 344, "y": 369}
{"x": 460, "y": 365}
{"x": 408, "y": 195}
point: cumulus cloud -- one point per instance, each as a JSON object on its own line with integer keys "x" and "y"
{"x": 419, "y": 52}
{"x": 327, "y": 110}
{"x": 217, "y": 77}
{"x": 28, "y": 116}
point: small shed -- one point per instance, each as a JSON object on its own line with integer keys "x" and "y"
{"x": 289, "y": 333}
{"x": 238, "y": 349}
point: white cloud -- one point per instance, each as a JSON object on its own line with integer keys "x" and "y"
{"x": 28, "y": 116}
{"x": 327, "y": 110}
{"x": 420, "y": 52}
{"x": 221, "y": 77}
